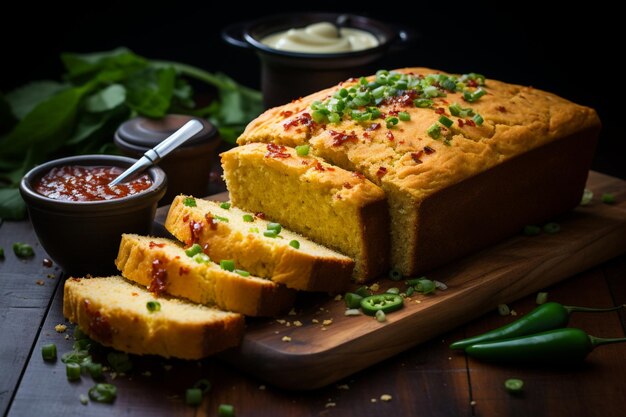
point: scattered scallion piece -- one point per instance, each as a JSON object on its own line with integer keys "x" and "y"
{"x": 478, "y": 119}
{"x": 446, "y": 121}
{"x": 302, "y": 150}
{"x": 608, "y": 198}
{"x": 226, "y": 410}
{"x": 270, "y": 233}
{"x": 434, "y": 131}
{"x": 294, "y": 244}
{"x": 274, "y": 226}
{"x": 503, "y": 310}
{"x": 531, "y": 230}
{"x": 189, "y": 202}
{"x": 77, "y": 356}
{"x": 153, "y": 306}
{"x": 23, "y": 250}
{"x": 227, "y": 264}
{"x": 391, "y": 121}
{"x": 248, "y": 218}
{"x": 193, "y": 396}
{"x": 440, "y": 285}
{"x": 422, "y": 102}
{"x": 201, "y": 258}
{"x": 242, "y": 272}
{"x": 225, "y": 205}
{"x": 552, "y": 228}
{"x": 95, "y": 370}
{"x": 352, "y": 300}
{"x": 393, "y": 290}
{"x": 220, "y": 218}
{"x": 381, "y": 316}
{"x": 253, "y": 230}
{"x": 425, "y": 286}
{"x": 395, "y": 275}
{"x": 514, "y": 385}
{"x": 363, "y": 292}
{"x": 120, "y": 361}
{"x": 79, "y": 334}
{"x": 473, "y": 96}
{"x": 49, "y": 352}
{"x": 82, "y": 344}
{"x": 587, "y": 197}
{"x": 72, "y": 371}
{"x": 410, "y": 291}
{"x": 103, "y": 393}
{"x": 84, "y": 400}
{"x": 193, "y": 250}
{"x": 413, "y": 282}
{"x": 542, "y": 297}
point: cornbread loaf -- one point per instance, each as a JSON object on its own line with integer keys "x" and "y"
{"x": 164, "y": 267}
{"x": 303, "y": 265}
{"x": 332, "y": 206}
{"x": 115, "y": 313}
{"x": 454, "y": 181}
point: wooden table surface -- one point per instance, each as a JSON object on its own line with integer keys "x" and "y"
{"x": 428, "y": 380}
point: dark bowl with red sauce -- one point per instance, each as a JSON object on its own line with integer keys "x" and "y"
{"x": 79, "y": 219}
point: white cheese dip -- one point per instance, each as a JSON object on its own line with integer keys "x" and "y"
{"x": 321, "y": 38}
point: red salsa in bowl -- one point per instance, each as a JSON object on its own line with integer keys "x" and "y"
{"x": 88, "y": 183}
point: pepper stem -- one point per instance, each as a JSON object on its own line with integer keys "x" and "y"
{"x": 597, "y": 341}
{"x": 574, "y": 309}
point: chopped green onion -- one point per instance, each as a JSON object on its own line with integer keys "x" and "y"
{"x": 225, "y": 206}
{"x": 395, "y": 275}
{"x": 294, "y": 244}
{"x": 478, "y": 119}
{"x": 226, "y": 410}
{"x": 587, "y": 197}
{"x": 220, "y": 218}
{"x": 608, "y": 198}
{"x": 423, "y": 102}
{"x": 352, "y": 300}
{"x": 49, "y": 352}
{"x": 404, "y": 116}
{"x": 434, "y": 131}
{"x": 414, "y": 281}
{"x": 193, "y": 250}
{"x": 410, "y": 291}
{"x": 531, "y": 230}
{"x": 103, "y": 393}
{"x": 542, "y": 297}
{"x": 503, "y": 310}
{"x": 302, "y": 150}
{"x": 274, "y": 226}
{"x": 253, "y": 230}
{"x": 82, "y": 344}
{"x": 343, "y": 93}
{"x": 242, "y": 272}
{"x": 95, "y": 370}
{"x": 193, "y": 396}
{"x": 23, "y": 250}
{"x": 79, "y": 334}
{"x": 190, "y": 202}
{"x": 440, "y": 285}
{"x": 449, "y": 85}
{"x": 270, "y": 233}
{"x": 248, "y": 218}
{"x": 153, "y": 306}
{"x": 363, "y": 291}
{"x": 204, "y": 385}
{"x": 375, "y": 112}
{"x": 393, "y": 290}
{"x": 318, "y": 116}
{"x": 72, "y": 371}
{"x": 381, "y": 317}
{"x": 425, "y": 286}
{"x": 391, "y": 122}
{"x": 446, "y": 121}
{"x": 334, "y": 118}
{"x": 228, "y": 264}
{"x": 552, "y": 228}
{"x": 77, "y": 356}
{"x": 472, "y": 97}
{"x": 514, "y": 385}
{"x": 119, "y": 361}
{"x": 201, "y": 258}
{"x": 84, "y": 400}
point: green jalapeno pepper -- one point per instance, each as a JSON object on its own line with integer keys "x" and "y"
{"x": 560, "y": 346}
{"x": 381, "y": 302}
{"x": 547, "y": 316}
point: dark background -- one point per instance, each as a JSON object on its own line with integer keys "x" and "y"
{"x": 567, "y": 50}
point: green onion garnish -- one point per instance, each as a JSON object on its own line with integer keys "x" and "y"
{"x": 228, "y": 264}
{"x": 82, "y": 344}
{"x": 363, "y": 292}
{"x": 225, "y": 206}
{"x": 404, "y": 116}
{"x": 84, "y": 400}
{"x": 410, "y": 291}
{"x": 193, "y": 396}
{"x": 103, "y": 393}
{"x": 294, "y": 244}
{"x": 95, "y": 370}
{"x": 253, "y": 230}
{"x": 72, "y": 371}
{"x": 242, "y": 272}
{"x": 189, "y": 202}
{"x": 274, "y": 226}
{"x": 381, "y": 317}
{"x": 425, "y": 286}
{"x": 608, "y": 198}
{"x": 551, "y": 228}
{"x": 119, "y": 361}
{"x": 446, "y": 121}
{"x": 79, "y": 334}
{"x": 352, "y": 300}
{"x": 201, "y": 258}
{"x": 503, "y": 310}
{"x": 542, "y": 297}
{"x": 473, "y": 96}
{"x": 514, "y": 385}
{"x": 77, "y": 356}
{"x": 391, "y": 122}
{"x": 248, "y": 218}
{"x": 587, "y": 197}
{"x": 531, "y": 230}
{"x": 270, "y": 233}
{"x": 226, "y": 410}
{"x": 423, "y": 102}
{"x": 434, "y": 131}
{"x": 49, "y": 352}
{"x": 194, "y": 250}
{"x": 23, "y": 250}
{"x": 220, "y": 218}
{"x": 478, "y": 119}
{"x": 393, "y": 290}
{"x": 302, "y": 150}
{"x": 153, "y": 306}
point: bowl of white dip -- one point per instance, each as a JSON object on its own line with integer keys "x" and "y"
{"x": 304, "y": 53}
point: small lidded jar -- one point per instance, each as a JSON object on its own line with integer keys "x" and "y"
{"x": 188, "y": 167}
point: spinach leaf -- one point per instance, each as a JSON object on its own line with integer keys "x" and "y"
{"x": 107, "y": 99}
{"x": 118, "y": 62}
{"x": 24, "y": 99}
{"x": 150, "y": 91}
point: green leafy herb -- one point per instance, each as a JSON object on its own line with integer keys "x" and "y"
{"x": 23, "y": 250}
{"x": 189, "y": 202}
{"x": 103, "y": 393}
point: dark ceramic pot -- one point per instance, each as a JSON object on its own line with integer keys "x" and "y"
{"x": 188, "y": 167}
{"x": 288, "y": 75}
{"x": 84, "y": 237}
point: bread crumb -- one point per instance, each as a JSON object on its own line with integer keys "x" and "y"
{"x": 472, "y": 403}
{"x": 292, "y": 312}
{"x": 113, "y": 375}
{"x": 343, "y": 386}
{"x": 418, "y": 301}
{"x": 375, "y": 287}
{"x": 288, "y": 324}
{"x": 338, "y": 297}
{"x": 276, "y": 332}
{"x": 385, "y": 397}
{"x": 297, "y": 323}
{"x": 262, "y": 387}
{"x": 39, "y": 282}
{"x": 51, "y": 276}
{"x": 373, "y": 400}
{"x": 281, "y": 321}
{"x": 315, "y": 321}
{"x": 84, "y": 400}
{"x": 513, "y": 313}
{"x": 286, "y": 339}
{"x": 329, "y": 405}
{"x": 327, "y": 322}
{"x": 60, "y": 328}
{"x": 67, "y": 337}
{"x": 324, "y": 328}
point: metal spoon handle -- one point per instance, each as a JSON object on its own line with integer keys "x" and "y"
{"x": 155, "y": 154}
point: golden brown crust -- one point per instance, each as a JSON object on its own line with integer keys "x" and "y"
{"x": 201, "y": 283}
{"x": 309, "y": 268}
{"x": 113, "y": 312}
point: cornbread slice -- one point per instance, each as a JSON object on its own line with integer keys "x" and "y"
{"x": 225, "y": 235}
{"x": 330, "y": 205}
{"x": 163, "y": 266}
{"x": 114, "y": 312}
{"x": 452, "y": 194}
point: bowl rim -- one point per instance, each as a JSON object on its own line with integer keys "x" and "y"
{"x": 152, "y": 194}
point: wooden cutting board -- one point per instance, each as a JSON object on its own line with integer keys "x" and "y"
{"x": 319, "y": 345}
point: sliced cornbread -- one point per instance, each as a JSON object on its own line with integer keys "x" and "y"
{"x": 328, "y": 204}
{"x": 164, "y": 267}
{"x": 459, "y": 171}
{"x": 230, "y": 233}
{"x": 115, "y": 312}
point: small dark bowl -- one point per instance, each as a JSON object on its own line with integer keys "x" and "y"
{"x": 287, "y": 75}
{"x": 84, "y": 237}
